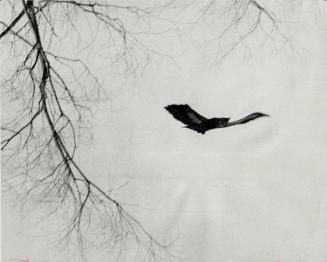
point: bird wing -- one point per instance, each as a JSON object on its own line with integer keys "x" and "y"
{"x": 185, "y": 114}
{"x": 249, "y": 118}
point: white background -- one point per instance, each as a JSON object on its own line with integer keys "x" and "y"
{"x": 256, "y": 192}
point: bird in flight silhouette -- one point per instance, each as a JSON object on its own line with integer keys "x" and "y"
{"x": 200, "y": 124}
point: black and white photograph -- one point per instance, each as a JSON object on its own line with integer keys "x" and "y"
{"x": 163, "y": 130}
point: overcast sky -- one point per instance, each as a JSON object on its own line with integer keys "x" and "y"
{"x": 256, "y": 192}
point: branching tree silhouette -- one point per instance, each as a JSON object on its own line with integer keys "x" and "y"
{"x": 238, "y": 23}
{"x": 47, "y": 98}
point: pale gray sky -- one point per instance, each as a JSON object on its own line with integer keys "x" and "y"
{"x": 256, "y": 192}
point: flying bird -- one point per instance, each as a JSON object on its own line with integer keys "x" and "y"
{"x": 200, "y": 124}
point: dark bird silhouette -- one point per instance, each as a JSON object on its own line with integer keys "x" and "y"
{"x": 200, "y": 124}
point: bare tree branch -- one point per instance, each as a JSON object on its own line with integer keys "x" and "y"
{"x": 49, "y": 134}
{"x": 12, "y": 24}
{"x": 49, "y": 95}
